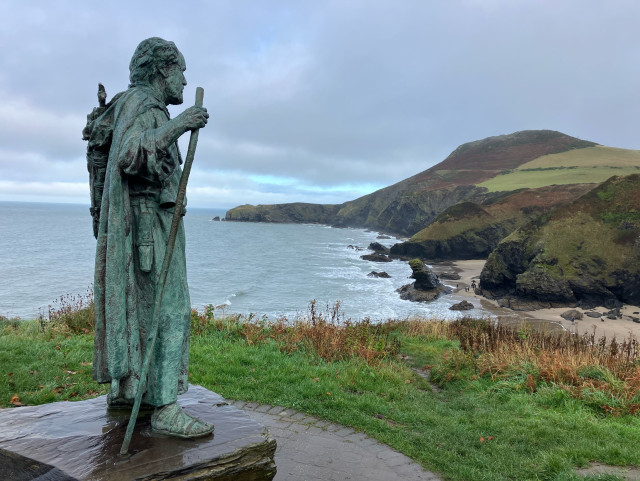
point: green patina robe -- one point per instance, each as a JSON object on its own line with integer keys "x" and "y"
{"x": 140, "y": 189}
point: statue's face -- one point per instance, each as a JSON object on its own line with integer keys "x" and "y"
{"x": 175, "y": 82}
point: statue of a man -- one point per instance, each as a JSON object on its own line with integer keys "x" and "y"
{"x": 138, "y": 141}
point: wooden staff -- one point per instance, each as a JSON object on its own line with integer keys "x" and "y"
{"x": 175, "y": 222}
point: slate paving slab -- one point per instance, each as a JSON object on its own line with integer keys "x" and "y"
{"x": 311, "y": 449}
{"x": 83, "y": 439}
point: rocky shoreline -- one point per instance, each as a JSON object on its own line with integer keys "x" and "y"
{"x": 462, "y": 278}
{"x": 549, "y": 318}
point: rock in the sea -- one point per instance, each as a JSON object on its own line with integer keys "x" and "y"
{"x": 425, "y": 278}
{"x": 462, "y": 306}
{"x": 378, "y": 248}
{"x": 381, "y": 274}
{"x": 425, "y": 288}
{"x": 375, "y": 258}
{"x": 355, "y": 248}
{"x": 216, "y": 218}
{"x": 571, "y": 314}
{"x": 382, "y": 236}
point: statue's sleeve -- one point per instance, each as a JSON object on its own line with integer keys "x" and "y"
{"x": 143, "y": 152}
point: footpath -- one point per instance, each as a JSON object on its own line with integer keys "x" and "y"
{"x": 310, "y": 449}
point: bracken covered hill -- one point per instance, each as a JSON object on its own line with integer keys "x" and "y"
{"x": 412, "y": 204}
{"x": 475, "y": 162}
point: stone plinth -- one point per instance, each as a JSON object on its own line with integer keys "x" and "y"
{"x": 83, "y": 440}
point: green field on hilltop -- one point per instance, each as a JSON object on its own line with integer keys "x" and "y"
{"x": 589, "y": 157}
{"x": 535, "y": 178}
{"x": 591, "y": 165}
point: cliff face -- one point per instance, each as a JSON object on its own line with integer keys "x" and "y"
{"x": 586, "y": 252}
{"x": 412, "y": 204}
{"x": 299, "y": 212}
{"x": 405, "y": 213}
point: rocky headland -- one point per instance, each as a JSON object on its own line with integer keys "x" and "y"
{"x": 410, "y": 205}
{"x": 537, "y": 204}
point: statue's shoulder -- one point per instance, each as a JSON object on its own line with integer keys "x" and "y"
{"x": 141, "y": 98}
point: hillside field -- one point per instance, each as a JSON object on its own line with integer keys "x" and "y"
{"x": 591, "y": 165}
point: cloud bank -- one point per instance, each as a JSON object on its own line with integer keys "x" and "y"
{"x": 317, "y": 101}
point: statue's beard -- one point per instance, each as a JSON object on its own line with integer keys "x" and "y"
{"x": 174, "y": 94}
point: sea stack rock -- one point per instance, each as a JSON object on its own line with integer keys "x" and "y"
{"x": 425, "y": 278}
{"x": 375, "y": 258}
{"x": 426, "y": 287}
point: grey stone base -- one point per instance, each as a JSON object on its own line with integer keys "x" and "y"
{"x": 82, "y": 440}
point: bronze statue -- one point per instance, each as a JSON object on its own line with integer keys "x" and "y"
{"x": 134, "y": 141}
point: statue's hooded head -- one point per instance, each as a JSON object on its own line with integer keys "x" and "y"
{"x": 152, "y": 60}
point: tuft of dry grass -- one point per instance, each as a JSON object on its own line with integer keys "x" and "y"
{"x": 70, "y": 314}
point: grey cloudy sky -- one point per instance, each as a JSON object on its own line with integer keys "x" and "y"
{"x": 318, "y": 101}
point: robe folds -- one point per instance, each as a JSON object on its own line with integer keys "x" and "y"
{"x": 140, "y": 189}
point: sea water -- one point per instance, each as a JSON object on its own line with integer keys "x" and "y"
{"x": 47, "y": 251}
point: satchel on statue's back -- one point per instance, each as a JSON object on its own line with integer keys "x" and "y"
{"x": 99, "y": 133}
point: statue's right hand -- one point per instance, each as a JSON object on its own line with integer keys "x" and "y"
{"x": 194, "y": 118}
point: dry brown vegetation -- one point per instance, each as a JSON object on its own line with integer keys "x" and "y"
{"x": 591, "y": 368}
{"x": 326, "y": 334}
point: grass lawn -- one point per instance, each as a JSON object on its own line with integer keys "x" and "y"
{"x": 486, "y": 423}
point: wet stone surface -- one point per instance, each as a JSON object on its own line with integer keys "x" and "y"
{"x": 83, "y": 440}
{"x": 311, "y": 449}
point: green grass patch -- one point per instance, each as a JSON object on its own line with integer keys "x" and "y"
{"x": 589, "y": 157}
{"x": 518, "y": 179}
{"x": 490, "y": 421}
{"x": 40, "y": 367}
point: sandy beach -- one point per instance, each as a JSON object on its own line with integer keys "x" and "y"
{"x": 469, "y": 270}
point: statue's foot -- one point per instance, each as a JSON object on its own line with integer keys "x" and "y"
{"x": 173, "y": 421}
{"x": 122, "y": 394}
{"x": 117, "y": 402}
